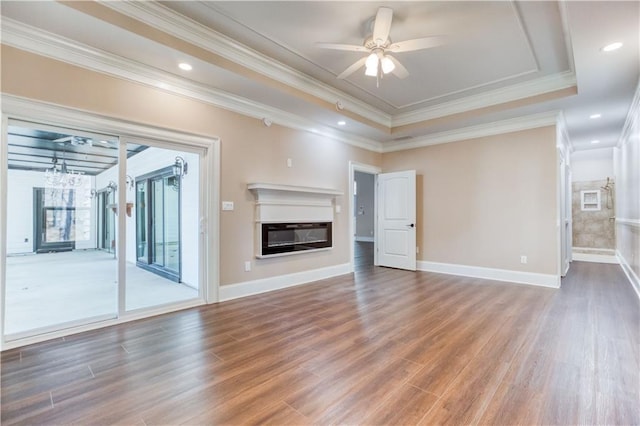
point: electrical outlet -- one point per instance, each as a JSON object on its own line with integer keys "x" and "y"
{"x": 289, "y": 162}
{"x": 247, "y": 266}
{"x": 523, "y": 259}
{"x": 227, "y": 205}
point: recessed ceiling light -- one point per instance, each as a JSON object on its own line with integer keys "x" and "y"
{"x": 185, "y": 66}
{"x": 611, "y": 47}
{"x": 592, "y": 116}
{"x": 341, "y": 123}
{"x": 595, "y": 141}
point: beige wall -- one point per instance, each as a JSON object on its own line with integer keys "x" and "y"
{"x": 250, "y": 152}
{"x": 482, "y": 202}
{"x": 487, "y": 201}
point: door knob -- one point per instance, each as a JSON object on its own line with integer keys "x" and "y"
{"x": 411, "y": 225}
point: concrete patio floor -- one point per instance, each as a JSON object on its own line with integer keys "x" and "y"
{"x": 45, "y": 290}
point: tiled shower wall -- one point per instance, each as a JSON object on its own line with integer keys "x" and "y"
{"x": 593, "y": 229}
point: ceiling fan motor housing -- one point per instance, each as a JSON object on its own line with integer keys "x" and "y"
{"x": 370, "y": 44}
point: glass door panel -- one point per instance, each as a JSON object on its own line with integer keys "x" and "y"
{"x": 141, "y": 221}
{"x": 55, "y": 275}
{"x": 171, "y": 215}
{"x": 157, "y": 221}
{"x": 166, "y": 205}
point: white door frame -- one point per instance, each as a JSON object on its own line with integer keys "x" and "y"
{"x": 39, "y": 112}
{"x": 370, "y": 169}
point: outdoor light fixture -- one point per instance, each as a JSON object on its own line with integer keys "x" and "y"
{"x": 180, "y": 167}
{"x": 111, "y": 187}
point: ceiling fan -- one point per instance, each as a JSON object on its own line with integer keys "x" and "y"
{"x": 74, "y": 140}
{"x": 379, "y": 46}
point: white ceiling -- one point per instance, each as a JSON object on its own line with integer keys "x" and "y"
{"x": 260, "y": 58}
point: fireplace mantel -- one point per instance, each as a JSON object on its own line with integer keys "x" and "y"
{"x": 276, "y": 204}
{"x": 289, "y": 203}
{"x": 272, "y": 189}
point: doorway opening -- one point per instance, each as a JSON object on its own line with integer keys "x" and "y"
{"x": 364, "y": 225}
{"x": 362, "y": 201}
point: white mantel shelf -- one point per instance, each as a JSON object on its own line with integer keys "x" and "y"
{"x": 291, "y": 189}
{"x": 277, "y": 203}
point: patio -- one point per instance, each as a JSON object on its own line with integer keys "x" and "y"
{"x": 50, "y": 289}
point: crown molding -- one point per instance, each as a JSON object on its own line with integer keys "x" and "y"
{"x": 566, "y": 31}
{"x": 166, "y": 20}
{"x": 564, "y": 138}
{"x": 177, "y": 25}
{"x": 632, "y": 118}
{"x": 514, "y": 92}
{"x": 24, "y": 37}
{"x": 481, "y": 130}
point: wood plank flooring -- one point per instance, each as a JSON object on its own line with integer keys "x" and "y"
{"x": 381, "y": 346}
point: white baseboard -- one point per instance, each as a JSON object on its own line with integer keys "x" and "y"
{"x": 593, "y": 250}
{"x": 364, "y": 239}
{"x": 597, "y": 258}
{"x": 531, "y": 278}
{"x": 248, "y": 288}
{"x": 631, "y": 275}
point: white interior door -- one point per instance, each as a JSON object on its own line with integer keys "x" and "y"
{"x": 396, "y": 236}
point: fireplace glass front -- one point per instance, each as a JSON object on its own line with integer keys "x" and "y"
{"x": 292, "y": 237}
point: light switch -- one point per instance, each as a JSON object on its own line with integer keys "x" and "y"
{"x": 227, "y": 205}
{"x": 338, "y": 208}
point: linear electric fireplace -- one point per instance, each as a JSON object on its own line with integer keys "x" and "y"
{"x": 280, "y": 238}
{"x": 291, "y": 219}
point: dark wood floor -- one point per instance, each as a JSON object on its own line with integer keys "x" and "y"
{"x": 381, "y": 346}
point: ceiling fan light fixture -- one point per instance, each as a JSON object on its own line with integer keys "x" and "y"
{"x": 371, "y": 69}
{"x": 372, "y": 61}
{"x": 387, "y": 65}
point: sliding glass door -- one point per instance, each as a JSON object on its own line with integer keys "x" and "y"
{"x": 97, "y": 227}
{"x": 106, "y": 220}
{"x": 55, "y": 218}
{"x": 158, "y": 216}
{"x": 165, "y": 199}
{"x": 55, "y": 278}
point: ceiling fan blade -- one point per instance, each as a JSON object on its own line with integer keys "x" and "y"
{"x": 399, "y": 71}
{"x": 416, "y": 44}
{"x": 353, "y": 68}
{"x": 338, "y": 46}
{"x": 382, "y": 25}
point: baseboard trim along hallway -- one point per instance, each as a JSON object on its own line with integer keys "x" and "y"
{"x": 517, "y": 277}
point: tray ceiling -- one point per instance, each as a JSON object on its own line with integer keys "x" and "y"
{"x": 500, "y": 60}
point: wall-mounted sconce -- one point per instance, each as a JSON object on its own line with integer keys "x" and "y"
{"x": 130, "y": 182}
{"x": 180, "y": 167}
{"x": 94, "y": 193}
{"x": 112, "y": 187}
